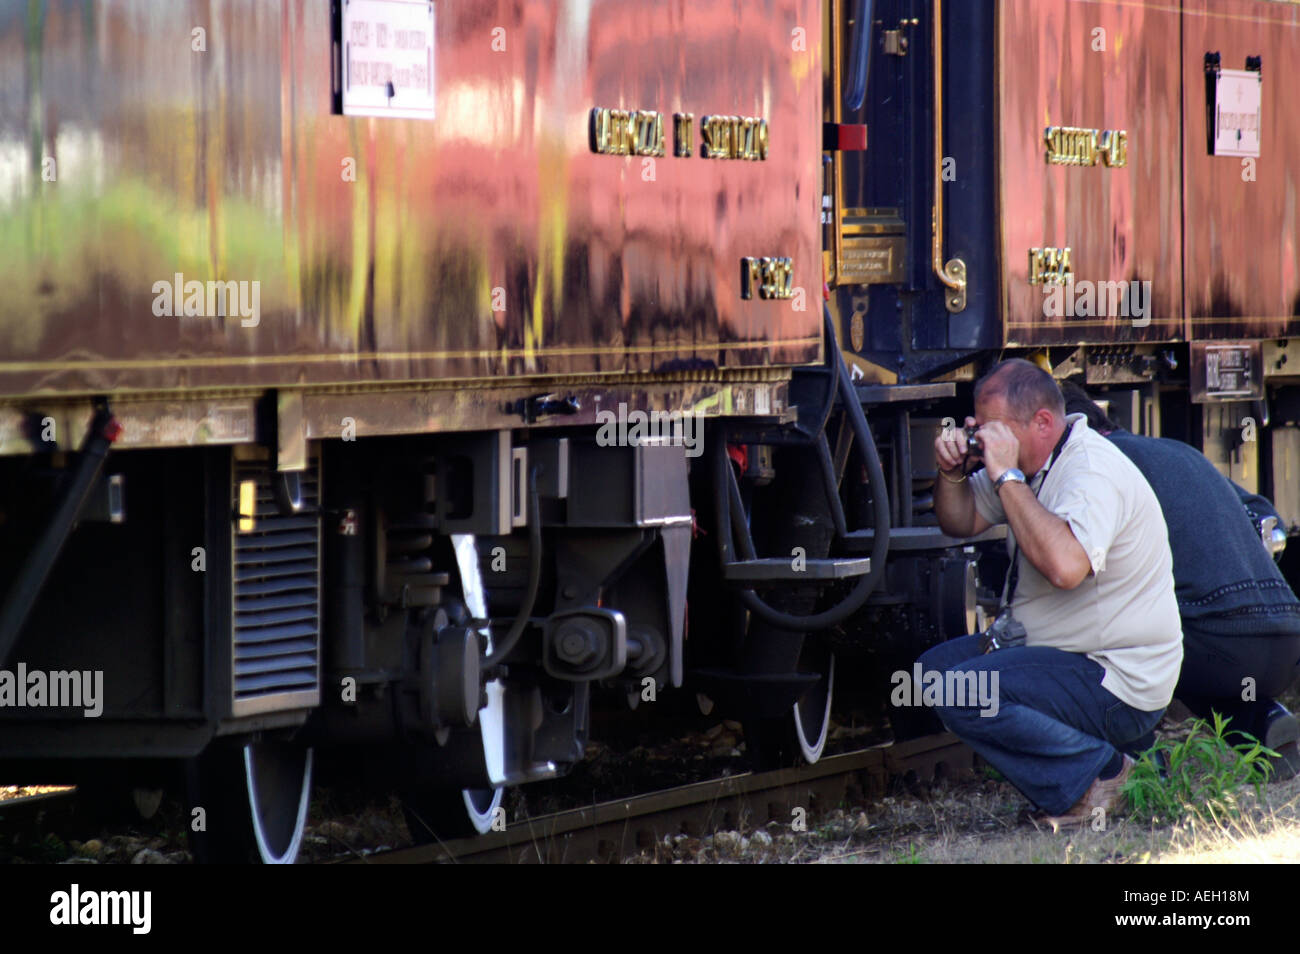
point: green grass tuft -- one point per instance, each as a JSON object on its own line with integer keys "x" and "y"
{"x": 1206, "y": 773}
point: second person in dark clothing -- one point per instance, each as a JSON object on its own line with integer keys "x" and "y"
{"x": 1241, "y": 621}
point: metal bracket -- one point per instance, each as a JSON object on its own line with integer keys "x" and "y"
{"x": 894, "y": 41}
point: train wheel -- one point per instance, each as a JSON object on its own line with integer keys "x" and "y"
{"x": 440, "y": 815}
{"x": 779, "y": 741}
{"x": 254, "y": 799}
{"x": 812, "y": 713}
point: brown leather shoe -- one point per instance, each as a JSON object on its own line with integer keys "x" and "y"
{"x": 1077, "y": 817}
{"x": 1102, "y": 793}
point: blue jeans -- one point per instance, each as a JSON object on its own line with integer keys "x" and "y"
{"x": 1055, "y": 727}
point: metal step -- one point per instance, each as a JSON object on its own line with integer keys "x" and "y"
{"x": 782, "y": 570}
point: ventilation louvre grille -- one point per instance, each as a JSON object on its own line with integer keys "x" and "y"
{"x": 275, "y": 617}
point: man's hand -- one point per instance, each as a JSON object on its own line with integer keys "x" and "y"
{"x": 954, "y": 504}
{"x": 1001, "y": 448}
{"x": 950, "y": 448}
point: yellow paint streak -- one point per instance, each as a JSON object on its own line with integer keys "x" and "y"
{"x": 354, "y": 311}
{"x": 414, "y": 253}
{"x": 552, "y": 230}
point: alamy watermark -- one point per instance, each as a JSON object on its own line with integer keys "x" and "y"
{"x": 60, "y": 689}
{"x": 194, "y": 299}
{"x": 1089, "y": 299}
{"x": 630, "y": 428}
{"x": 953, "y": 688}
{"x": 74, "y": 907}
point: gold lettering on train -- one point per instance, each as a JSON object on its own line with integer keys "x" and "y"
{"x": 768, "y": 278}
{"x": 683, "y": 133}
{"x": 1076, "y": 146}
{"x": 733, "y": 137}
{"x": 640, "y": 132}
{"x": 624, "y": 132}
{"x": 1050, "y": 266}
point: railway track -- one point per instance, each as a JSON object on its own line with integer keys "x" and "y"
{"x": 611, "y": 831}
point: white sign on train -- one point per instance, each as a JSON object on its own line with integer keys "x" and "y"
{"x": 388, "y": 58}
{"x": 1238, "y": 112}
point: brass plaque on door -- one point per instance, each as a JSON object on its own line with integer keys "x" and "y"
{"x": 872, "y": 247}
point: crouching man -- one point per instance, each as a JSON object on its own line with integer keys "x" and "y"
{"x": 1087, "y": 646}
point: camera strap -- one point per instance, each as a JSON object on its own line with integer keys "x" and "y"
{"x": 1013, "y": 575}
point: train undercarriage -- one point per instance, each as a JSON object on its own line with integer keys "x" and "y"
{"x": 445, "y": 613}
{"x": 448, "y": 615}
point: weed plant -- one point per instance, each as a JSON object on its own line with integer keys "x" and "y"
{"x": 1205, "y": 772}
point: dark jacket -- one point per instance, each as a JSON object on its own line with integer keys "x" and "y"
{"x": 1225, "y": 580}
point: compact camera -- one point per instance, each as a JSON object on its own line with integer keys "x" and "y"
{"x": 972, "y": 442}
{"x": 1004, "y": 632}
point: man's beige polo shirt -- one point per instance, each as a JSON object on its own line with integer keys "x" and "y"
{"x": 1124, "y": 614}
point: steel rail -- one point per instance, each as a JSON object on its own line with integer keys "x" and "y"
{"x": 616, "y": 829}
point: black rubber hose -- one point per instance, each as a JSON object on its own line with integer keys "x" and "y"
{"x": 855, "y": 89}
{"x": 824, "y": 414}
{"x": 879, "y": 498}
{"x": 511, "y": 638}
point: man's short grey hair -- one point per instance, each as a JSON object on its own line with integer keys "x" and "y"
{"x": 1024, "y": 386}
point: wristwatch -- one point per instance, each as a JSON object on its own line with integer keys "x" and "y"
{"x": 1009, "y": 475}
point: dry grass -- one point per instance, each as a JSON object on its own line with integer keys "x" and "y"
{"x": 982, "y": 820}
{"x": 1266, "y": 831}
{"x": 987, "y": 822}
